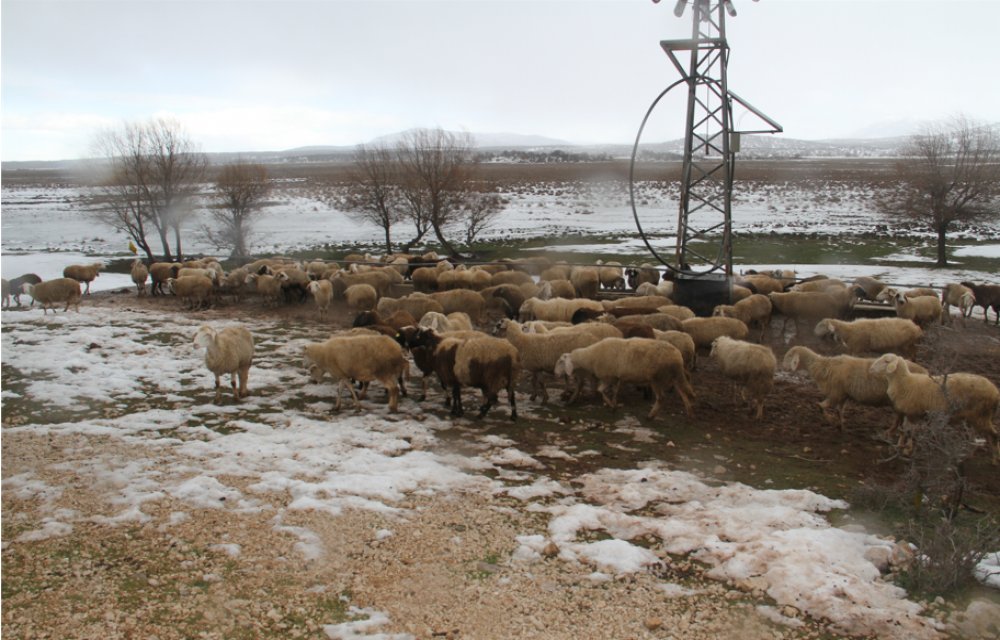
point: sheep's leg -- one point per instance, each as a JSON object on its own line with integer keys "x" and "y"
{"x": 603, "y": 389}
{"x": 679, "y": 388}
{"x": 456, "y": 401}
{"x": 393, "y": 395}
{"x": 658, "y": 397}
{"x": 244, "y": 375}
{"x": 512, "y": 400}
{"x": 489, "y": 399}
{"x": 364, "y": 391}
{"x": 354, "y": 395}
{"x": 760, "y": 408}
{"x": 218, "y": 388}
{"x": 233, "y": 384}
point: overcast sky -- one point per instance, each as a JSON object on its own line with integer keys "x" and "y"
{"x": 277, "y": 74}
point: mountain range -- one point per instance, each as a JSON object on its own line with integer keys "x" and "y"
{"x": 751, "y": 147}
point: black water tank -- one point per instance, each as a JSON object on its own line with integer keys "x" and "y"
{"x": 701, "y": 293}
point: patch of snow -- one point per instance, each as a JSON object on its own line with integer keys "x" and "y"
{"x": 366, "y": 628}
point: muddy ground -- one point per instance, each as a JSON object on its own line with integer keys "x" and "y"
{"x": 156, "y": 581}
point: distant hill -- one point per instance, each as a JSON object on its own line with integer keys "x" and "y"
{"x": 751, "y": 147}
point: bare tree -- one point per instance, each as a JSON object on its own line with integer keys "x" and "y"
{"x": 240, "y": 189}
{"x": 373, "y": 192}
{"x": 152, "y": 173}
{"x": 437, "y": 169}
{"x": 950, "y": 173}
{"x": 478, "y": 212}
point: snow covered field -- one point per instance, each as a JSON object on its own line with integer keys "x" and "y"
{"x": 134, "y": 378}
{"x": 146, "y": 387}
{"x": 54, "y": 220}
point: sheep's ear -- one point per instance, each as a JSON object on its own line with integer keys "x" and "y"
{"x": 891, "y": 365}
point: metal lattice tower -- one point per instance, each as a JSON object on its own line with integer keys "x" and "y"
{"x": 704, "y": 221}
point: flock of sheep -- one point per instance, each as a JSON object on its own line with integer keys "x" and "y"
{"x": 485, "y": 326}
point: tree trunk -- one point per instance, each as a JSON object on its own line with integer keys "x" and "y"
{"x": 942, "y": 251}
{"x": 177, "y": 243}
{"x": 167, "y": 257}
{"x": 409, "y": 245}
{"x": 388, "y": 242}
{"x": 447, "y": 246}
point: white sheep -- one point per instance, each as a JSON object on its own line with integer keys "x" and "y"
{"x": 811, "y": 306}
{"x": 559, "y": 288}
{"x": 612, "y": 275}
{"x": 819, "y": 284}
{"x": 647, "y": 302}
{"x": 211, "y": 274}
{"x": 760, "y": 283}
{"x": 139, "y": 273}
{"x": 841, "y": 379}
{"x": 415, "y": 304}
{"x": 361, "y": 297}
{"x": 923, "y": 310}
{"x": 640, "y": 361}
{"x": 382, "y": 280}
{"x": 664, "y": 289}
{"x": 83, "y": 273}
{"x": 229, "y": 350}
{"x": 464, "y": 278}
{"x": 963, "y": 396}
{"x": 704, "y": 331}
{"x": 677, "y": 311}
{"x": 267, "y": 286}
{"x": 516, "y": 278}
{"x": 196, "y": 291}
{"x": 556, "y": 309}
{"x": 56, "y": 291}
{"x": 960, "y": 296}
{"x": 873, "y": 335}
{"x": 360, "y": 357}
{"x": 234, "y": 283}
{"x": 441, "y": 323}
{"x": 322, "y": 293}
{"x": 871, "y": 287}
{"x": 463, "y": 300}
{"x": 539, "y": 352}
{"x": 750, "y": 366}
{"x": 753, "y": 310}
{"x": 586, "y": 281}
{"x": 683, "y": 343}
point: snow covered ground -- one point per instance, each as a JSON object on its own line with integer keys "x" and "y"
{"x": 146, "y": 386}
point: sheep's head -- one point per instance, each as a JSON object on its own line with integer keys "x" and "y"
{"x": 717, "y": 344}
{"x": 205, "y": 336}
{"x": 564, "y": 365}
{"x": 500, "y": 328}
{"x": 886, "y": 294}
{"x": 314, "y": 371}
{"x": 824, "y": 328}
{"x": 887, "y": 364}
{"x": 792, "y": 359}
